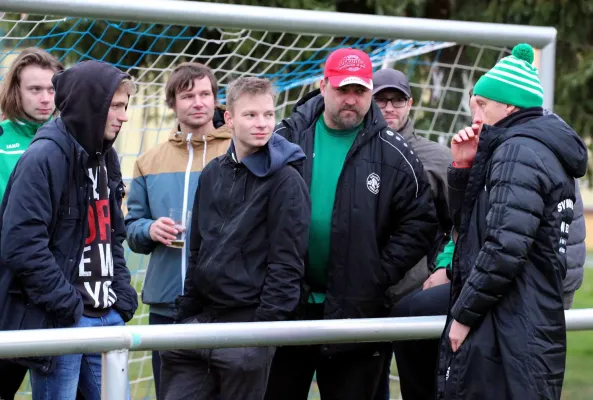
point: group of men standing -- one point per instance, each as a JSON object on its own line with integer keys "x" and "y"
{"x": 339, "y": 211}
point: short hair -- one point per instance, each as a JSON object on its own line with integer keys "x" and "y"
{"x": 183, "y": 78}
{"x": 247, "y": 85}
{"x": 10, "y": 99}
{"x": 128, "y": 85}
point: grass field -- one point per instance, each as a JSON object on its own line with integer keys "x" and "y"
{"x": 578, "y": 384}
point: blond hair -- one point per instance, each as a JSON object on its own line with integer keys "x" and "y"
{"x": 247, "y": 85}
{"x": 128, "y": 85}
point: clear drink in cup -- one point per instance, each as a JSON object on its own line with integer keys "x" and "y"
{"x": 181, "y": 220}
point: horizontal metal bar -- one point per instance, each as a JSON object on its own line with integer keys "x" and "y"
{"x": 289, "y": 20}
{"x": 193, "y": 336}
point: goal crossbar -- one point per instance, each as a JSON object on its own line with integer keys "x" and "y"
{"x": 304, "y": 21}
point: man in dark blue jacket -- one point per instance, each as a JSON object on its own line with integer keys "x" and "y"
{"x": 61, "y": 256}
{"x": 248, "y": 240}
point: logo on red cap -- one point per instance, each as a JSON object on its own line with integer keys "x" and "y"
{"x": 349, "y": 67}
{"x": 352, "y": 63}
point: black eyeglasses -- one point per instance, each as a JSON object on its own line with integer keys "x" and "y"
{"x": 395, "y": 102}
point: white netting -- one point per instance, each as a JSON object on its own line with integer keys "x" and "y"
{"x": 440, "y": 74}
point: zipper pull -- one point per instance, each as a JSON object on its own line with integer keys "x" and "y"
{"x": 188, "y": 140}
{"x": 204, "y": 152}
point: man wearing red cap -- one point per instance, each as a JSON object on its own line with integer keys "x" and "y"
{"x": 372, "y": 219}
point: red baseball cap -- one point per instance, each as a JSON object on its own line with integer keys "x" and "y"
{"x": 349, "y": 67}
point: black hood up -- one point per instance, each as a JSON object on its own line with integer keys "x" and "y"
{"x": 83, "y": 96}
{"x": 553, "y": 132}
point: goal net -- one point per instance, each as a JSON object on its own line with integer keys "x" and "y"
{"x": 440, "y": 74}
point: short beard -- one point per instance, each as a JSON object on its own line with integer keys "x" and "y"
{"x": 347, "y": 125}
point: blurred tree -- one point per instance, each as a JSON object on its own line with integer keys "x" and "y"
{"x": 574, "y": 54}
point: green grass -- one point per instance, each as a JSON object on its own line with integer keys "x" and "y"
{"x": 578, "y": 384}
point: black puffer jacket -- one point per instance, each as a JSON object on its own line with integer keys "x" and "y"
{"x": 512, "y": 210}
{"x": 378, "y": 231}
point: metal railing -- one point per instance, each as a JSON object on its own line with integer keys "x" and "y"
{"x": 115, "y": 342}
{"x": 196, "y": 13}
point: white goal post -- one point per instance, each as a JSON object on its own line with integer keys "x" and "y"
{"x": 148, "y": 38}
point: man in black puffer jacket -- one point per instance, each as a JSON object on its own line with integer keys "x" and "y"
{"x": 512, "y": 195}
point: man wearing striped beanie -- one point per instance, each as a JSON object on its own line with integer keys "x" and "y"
{"x": 512, "y": 82}
{"x": 511, "y": 196}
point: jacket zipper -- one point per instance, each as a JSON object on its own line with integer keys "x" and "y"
{"x": 349, "y": 155}
{"x": 223, "y": 223}
{"x": 190, "y": 160}
{"x": 226, "y": 213}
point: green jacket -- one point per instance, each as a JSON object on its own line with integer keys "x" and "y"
{"x": 15, "y": 137}
{"x": 445, "y": 258}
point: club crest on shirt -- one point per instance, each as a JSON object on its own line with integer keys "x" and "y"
{"x": 373, "y": 183}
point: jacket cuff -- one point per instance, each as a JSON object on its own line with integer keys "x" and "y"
{"x": 455, "y": 165}
{"x": 70, "y": 320}
{"x": 146, "y": 231}
{"x": 457, "y": 178}
{"x": 125, "y": 315}
{"x": 186, "y": 307}
{"x": 465, "y": 316}
{"x": 262, "y": 315}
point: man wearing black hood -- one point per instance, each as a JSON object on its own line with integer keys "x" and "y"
{"x": 61, "y": 256}
{"x": 249, "y": 230}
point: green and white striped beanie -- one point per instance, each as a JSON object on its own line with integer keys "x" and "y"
{"x": 513, "y": 80}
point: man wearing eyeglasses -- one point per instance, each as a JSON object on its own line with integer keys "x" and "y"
{"x": 393, "y": 95}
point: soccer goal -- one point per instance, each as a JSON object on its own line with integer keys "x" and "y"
{"x": 443, "y": 59}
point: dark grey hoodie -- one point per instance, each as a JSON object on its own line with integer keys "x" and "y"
{"x": 436, "y": 160}
{"x": 576, "y": 250}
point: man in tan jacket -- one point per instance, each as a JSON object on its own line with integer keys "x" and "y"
{"x": 166, "y": 177}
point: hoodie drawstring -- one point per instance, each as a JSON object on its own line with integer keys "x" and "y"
{"x": 184, "y": 207}
{"x": 205, "y": 151}
{"x": 72, "y": 176}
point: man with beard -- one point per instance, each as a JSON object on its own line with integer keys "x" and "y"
{"x": 372, "y": 220}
